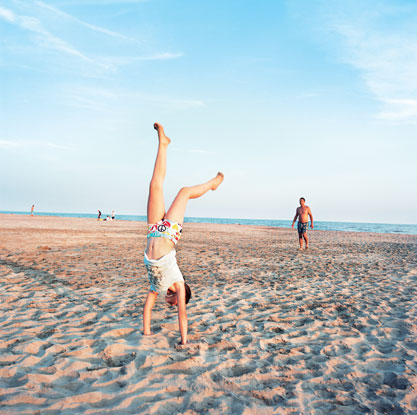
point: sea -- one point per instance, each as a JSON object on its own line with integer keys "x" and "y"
{"x": 318, "y": 225}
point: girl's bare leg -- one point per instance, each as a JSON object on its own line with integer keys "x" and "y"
{"x": 177, "y": 210}
{"x": 156, "y": 205}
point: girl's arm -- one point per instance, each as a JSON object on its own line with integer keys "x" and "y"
{"x": 182, "y": 312}
{"x": 147, "y": 310}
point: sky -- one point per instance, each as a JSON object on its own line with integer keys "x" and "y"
{"x": 290, "y": 99}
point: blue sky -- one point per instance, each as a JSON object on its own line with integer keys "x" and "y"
{"x": 287, "y": 98}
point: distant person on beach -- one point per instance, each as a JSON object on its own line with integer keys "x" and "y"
{"x": 31, "y": 210}
{"x": 112, "y": 215}
{"x": 99, "y": 215}
{"x": 164, "y": 231}
{"x": 302, "y": 213}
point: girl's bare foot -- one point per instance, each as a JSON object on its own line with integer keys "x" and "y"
{"x": 217, "y": 181}
{"x": 163, "y": 139}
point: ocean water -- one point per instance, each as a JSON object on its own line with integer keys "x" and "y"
{"x": 318, "y": 225}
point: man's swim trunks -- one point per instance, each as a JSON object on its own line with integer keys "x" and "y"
{"x": 163, "y": 272}
{"x": 166, "y": 229}
{"x": 302, "y": 227}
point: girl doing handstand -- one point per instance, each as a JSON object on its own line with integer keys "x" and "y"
{"x": 164, "y": 231}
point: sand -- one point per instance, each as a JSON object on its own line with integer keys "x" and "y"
{"x": 275, "y": 331}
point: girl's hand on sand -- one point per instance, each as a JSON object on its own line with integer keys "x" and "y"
{"x": 181, "y": 346}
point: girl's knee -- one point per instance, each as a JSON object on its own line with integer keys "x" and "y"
{"x": 155, "y": 186}
{"x": 184, "y": 192}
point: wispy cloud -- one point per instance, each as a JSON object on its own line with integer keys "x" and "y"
{"x": 106, "y": 99}
{"x": 194, "y": 151}
{"x": 114, "y": 62}
{"x": 7, "y": 15}
{"x": 159, "y": 57}
{"x": 68, "y": 16}
{"x": 177, "y": 102}
{"x": 30, "y": 145}
{"x": 100, "y": 2}
{"x": 44, "y": 38}
{"x": 385, "y": 53}
{"x": 90, "y": 98}
{"x": 201, "y": 151}
{"x": 400, "y": 109}
{"x": 7, "y": 144}
{"x": 56, "y": 146}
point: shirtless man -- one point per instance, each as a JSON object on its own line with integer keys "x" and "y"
{"x": 302, "y": 213}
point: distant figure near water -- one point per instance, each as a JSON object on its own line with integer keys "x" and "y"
{"x": 164, "y": 231}
{"x": 112, "y": 215}
{"x": 31, "y": 210}
{"x": 302, "y": 213}
{"x": 99, "y": 215}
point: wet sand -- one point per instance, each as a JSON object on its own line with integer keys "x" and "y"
{"x": 331, "y": 330}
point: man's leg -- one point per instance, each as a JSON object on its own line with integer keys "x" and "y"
{"x": 300, "y": 240}
{"x": 147, "y": 310}
{"x": 306, "y": 239}
{"x": 177, "y": 210}
{"x": 156, "y": 206}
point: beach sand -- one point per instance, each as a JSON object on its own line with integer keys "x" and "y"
{"x": 331, "y": 330}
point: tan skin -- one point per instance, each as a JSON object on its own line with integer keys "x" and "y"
{"x": 158, "y": 247}
{"x": 302, "y": 213}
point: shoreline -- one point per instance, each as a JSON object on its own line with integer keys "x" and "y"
{"x": 186, "y": 223}
{"x": 274, "y": 330}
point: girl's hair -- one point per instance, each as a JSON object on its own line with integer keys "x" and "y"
{"x": 187, "y": 293}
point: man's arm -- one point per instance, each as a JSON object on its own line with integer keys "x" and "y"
{"x": 295, "y": 218}
{"x": 311, "y": 218}
{"x": 182, "y": 311}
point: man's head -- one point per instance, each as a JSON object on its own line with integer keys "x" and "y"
{"x": 302, "y": 201}
{"x": 171, "y": 296}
